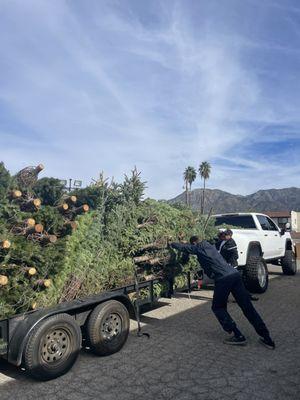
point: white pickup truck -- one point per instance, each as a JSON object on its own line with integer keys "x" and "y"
{"x": 259, "y": 241}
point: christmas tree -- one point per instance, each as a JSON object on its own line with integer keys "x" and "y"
{"x": 57, "y": 246}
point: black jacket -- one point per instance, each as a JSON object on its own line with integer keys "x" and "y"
{"x": 228, "y": 251}
{"x": 213, "y": 264}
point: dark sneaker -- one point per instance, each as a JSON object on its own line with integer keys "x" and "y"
{"x": 236, "y": 341}
{"x": 267, "y": 342}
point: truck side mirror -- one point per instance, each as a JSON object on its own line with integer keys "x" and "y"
{"x": 282, "y": 231}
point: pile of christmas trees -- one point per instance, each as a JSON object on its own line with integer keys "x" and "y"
{"x": 56, "y": 247}
{"x": 32, "y": 237}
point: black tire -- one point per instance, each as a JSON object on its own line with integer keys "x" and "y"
{"x": 288, "y": 263}
{"x": 52, "y": 347}
{"x": 108, "y": 328}
{"x": 255, "y": 275}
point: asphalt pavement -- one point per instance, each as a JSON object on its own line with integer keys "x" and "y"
{"x": 185, "y": 357}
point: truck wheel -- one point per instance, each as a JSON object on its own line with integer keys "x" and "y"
{"x": 52, "y": 347}
{"x": 288, "y": 263}
{"x": 108, "y": 328}
{"x": 255, "y": 275}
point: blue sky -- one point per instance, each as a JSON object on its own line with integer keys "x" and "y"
{"x": 96, "y": 85}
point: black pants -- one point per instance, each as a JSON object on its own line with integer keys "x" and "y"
{"x": 233, "y": 284}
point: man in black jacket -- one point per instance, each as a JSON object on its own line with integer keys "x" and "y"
{"x": 227, "y": 280}
{"x": 227, "y": 247}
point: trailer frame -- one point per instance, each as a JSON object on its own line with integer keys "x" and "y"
{"x": 14, "y": 331}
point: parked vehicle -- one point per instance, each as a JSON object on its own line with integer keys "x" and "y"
{"x": 47, "y": 341}
{"x": 259, "y": 241}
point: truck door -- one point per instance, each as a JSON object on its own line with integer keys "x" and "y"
{"x": 270, "y": 237}
{"x": 278, "y": 244}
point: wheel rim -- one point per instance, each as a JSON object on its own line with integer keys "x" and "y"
{"x": 56, "y": 346}
{"x": 112, "y": 326}
{"x": 261, "y": 274}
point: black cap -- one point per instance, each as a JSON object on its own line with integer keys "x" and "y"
{"x": 228, "y": 232}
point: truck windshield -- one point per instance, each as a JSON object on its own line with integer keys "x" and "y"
{"x": 239, "y": 221}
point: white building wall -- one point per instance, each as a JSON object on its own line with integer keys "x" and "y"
{"x": 295, "y": 221}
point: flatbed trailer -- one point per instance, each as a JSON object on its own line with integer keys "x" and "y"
{"x": 47, "y": 341}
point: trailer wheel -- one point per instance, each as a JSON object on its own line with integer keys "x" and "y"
{"x": 108, "y": 328}
{"x": 52, "y": 347}
{"x": 255, "y": 274}
{"x": 288, "y": 263}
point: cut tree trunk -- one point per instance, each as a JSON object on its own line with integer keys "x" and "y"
{"x": 5, "y": 244}
{"x": 141, "y": 259}
{"x": 71, "y": 224}
{"x": 150, "y": 260}
{"x": 149, "y": 221}
{"x": 63, "y": 207}
{"x": 150, "y": 277}
{"x": 159, "y": 261}
{"x": 37, "y": 228}
{"x": 152, "y": 246}
{"x": 68, "y": 228}
{"x": 83, "y": 209}
{"x": 15, "y": 194}
{"x": 27, "y": 227}
{"x": 71, "y": 200}
{"x": 44, "y": 283}
{"x": 48, "y": 239}
{"x": 29, "y": 222}
{"x": 31, "y": 205}
{"x": 39, "y": 168}
{"x": 3, "y": 280}
{"x": 30, "y": 271}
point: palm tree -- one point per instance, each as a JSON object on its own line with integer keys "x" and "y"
{"x": 204, "y": 171}
{"x": 189, "y": 176}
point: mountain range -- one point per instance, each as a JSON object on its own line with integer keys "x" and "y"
{"x": 286, "y": 199}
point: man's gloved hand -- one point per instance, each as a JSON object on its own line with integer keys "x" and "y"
{"x": 169, "y": 242}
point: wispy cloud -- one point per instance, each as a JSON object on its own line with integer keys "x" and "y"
{"x": 160, "y": 85}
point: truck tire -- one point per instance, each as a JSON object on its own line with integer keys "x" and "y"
{"x": 288, "y": 263}
{"x": 108, "y": 328}
{"x": 52, "y": 347}
{"x": 255, "y": 275}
